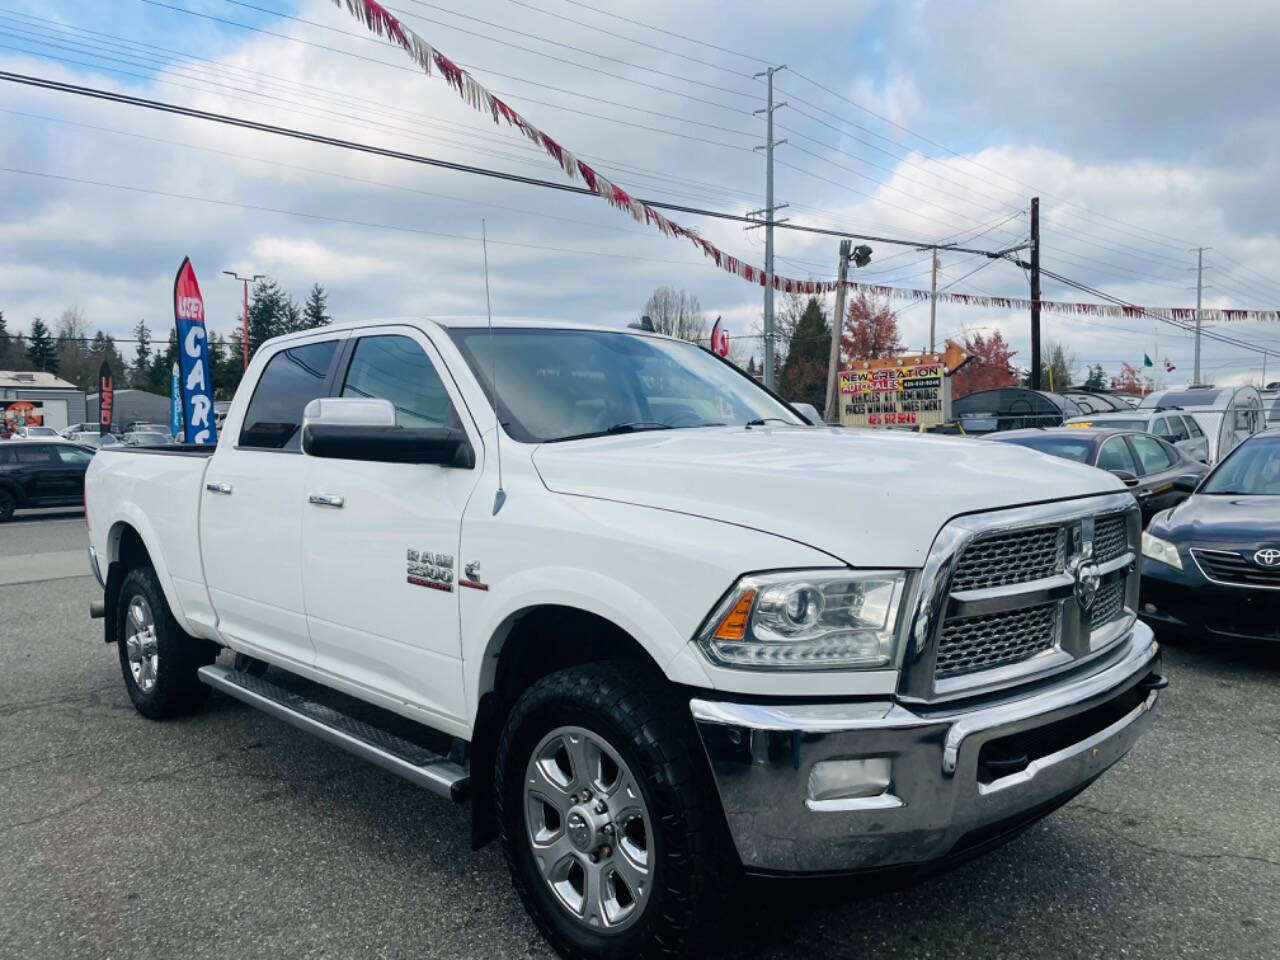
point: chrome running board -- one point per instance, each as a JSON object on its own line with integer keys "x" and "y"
{"x": 416, "y": 764}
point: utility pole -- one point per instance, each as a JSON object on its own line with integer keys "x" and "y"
{"x": 1195, "y": 373}
{"x": 244, "y": 336}
{"x": 769, "y": 144}
{"x": 1035, "y": 293}
{"x": 933, "y": 301}
{"x": 832, "y": 413}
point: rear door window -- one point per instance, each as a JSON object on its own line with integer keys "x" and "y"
{"x": 1178, "y": 429}
{"x": 1115, "y": 455}
{"x": 292, "y": 379}
{"x": 1160, "y": 427}
{"x": 1153, "y": 455}
{"x": 28, "y": 452}
{"x": 1193, "y": 427}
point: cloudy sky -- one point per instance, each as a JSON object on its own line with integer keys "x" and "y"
{"x": 1147, "y": 128}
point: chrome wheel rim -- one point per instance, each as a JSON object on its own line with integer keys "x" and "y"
{"x": 140, "y": 644}
{"x": 589, "y": 829}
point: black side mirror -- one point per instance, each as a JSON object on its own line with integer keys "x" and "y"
{"x": 1186, "y": 483}
{"x": 1129, "y": 479}
{"x": 381, "y": 444}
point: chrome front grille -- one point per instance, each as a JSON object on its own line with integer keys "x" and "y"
{"x": 1013, "y": 594}
{"x": 979, "y": 643}
{"x": 1109, "y": 603}
{"x": 1110, "y": 538}
{"x": 1000, "y": 559}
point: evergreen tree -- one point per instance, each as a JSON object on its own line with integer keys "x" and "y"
{"x": 751, "y": 365}
{"x": 160, "y": 375}
{"x": 803, "y": 377}
{"x": 103, "y": 347}
{"x": 42, "y": 350}
{"x": 268, "y": 313}
{"x": 140, "y": 372}
{"x": 316, "y": 311}
{"x": 1097, "y": 379}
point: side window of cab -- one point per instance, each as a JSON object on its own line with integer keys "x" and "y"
{"x": 291, "y": 380}
{"x": 395, "y": 367}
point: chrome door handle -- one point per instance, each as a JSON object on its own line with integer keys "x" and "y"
{"x": 218, "y": 488}
{"x": 326, "y": 500}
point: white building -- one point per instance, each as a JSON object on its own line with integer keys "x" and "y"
{"x": 58, "y": 402}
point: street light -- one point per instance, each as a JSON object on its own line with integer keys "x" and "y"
{"x": 244, "y": 337}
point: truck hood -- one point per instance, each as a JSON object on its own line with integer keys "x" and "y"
{"x": 866, "y": 498}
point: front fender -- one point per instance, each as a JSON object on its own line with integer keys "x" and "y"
{"x": 592, "y": 592}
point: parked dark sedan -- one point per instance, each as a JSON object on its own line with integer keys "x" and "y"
{"x": 1159, "y": 475}
{"x": 35, "y": 474}
{"x": 1211, "y": 565}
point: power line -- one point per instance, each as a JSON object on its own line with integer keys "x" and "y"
{"x": 1084, "y": 210}
{"x": 244, "y": 123}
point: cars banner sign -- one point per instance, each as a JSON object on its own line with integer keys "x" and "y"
{"x": 106, "y": 398}
{"x": 193, "y": 353}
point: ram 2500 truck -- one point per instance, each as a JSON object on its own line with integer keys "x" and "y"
{"x": 661, "y": 627}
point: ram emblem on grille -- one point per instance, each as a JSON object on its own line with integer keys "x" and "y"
{"x": 1082, "y": 567}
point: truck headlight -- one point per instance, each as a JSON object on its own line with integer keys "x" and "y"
{"x": 807, "y": 620}
{"x": 1161, "y": 550}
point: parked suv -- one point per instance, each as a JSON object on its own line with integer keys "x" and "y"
{"x": 36, "y": 474}
{"x": 1172, "y": 426}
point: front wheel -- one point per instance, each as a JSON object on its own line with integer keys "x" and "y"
{"x": 159, "y": 661}
{"x": 610, "y": 822}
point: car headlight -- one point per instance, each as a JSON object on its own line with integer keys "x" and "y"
{"x": 807, "y": 620}
{"x": 1161, "y": 550}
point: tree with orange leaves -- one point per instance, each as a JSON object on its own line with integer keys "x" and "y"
{"x": 991, "y": 366}
{"x": 870, "y": 330}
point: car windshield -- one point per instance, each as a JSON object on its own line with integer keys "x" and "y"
{"x": 1125, "y": 423}
{"x": 1069, "y": 448}
{"x": 1252, "y": 469}
{"x": 557, "y": 384}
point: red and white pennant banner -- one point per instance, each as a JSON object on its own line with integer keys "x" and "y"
{"x": 1070, "y": 309}
{"x": 381, "y": 22}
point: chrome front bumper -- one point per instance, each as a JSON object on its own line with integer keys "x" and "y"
{"x": 925, "y": 793}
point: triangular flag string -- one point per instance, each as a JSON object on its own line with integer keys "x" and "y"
{"x": 384, "y": 24}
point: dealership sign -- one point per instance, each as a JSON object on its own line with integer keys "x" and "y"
{"x": 911, "y": 391}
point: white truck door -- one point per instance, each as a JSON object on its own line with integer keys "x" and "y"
{"x": 252, "y": 504}
{"x": 380, "y": 540}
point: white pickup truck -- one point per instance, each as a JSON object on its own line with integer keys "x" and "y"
{"x": 653, "y": 624}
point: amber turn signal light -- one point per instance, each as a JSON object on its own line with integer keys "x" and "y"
{"x": 734, "y": 624}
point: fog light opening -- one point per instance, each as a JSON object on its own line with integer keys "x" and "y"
{"x": 850, "y": 779}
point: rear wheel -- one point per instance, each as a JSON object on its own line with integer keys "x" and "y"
{"x": 609, "y": 818}
{"x": 7, "y": 504}
{"x": 158, "y": 660}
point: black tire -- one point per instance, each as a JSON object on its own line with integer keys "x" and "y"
{"x": 653, "y": 733}
{"x": 170, "y": 686}
{"x": 8, "y": 503}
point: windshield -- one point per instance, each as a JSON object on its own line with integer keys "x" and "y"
{"x": 556, "y": 384}
{"x": 1069, "y": 448}
{"x": 1123, "y": 422}
{"x": 1253, "y": 468}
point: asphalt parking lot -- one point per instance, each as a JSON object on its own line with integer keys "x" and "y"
{"x": 230, "y": 834}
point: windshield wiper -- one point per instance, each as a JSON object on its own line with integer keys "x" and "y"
{"x": 764, "y": 420}
{"x": 631, "y": 426}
